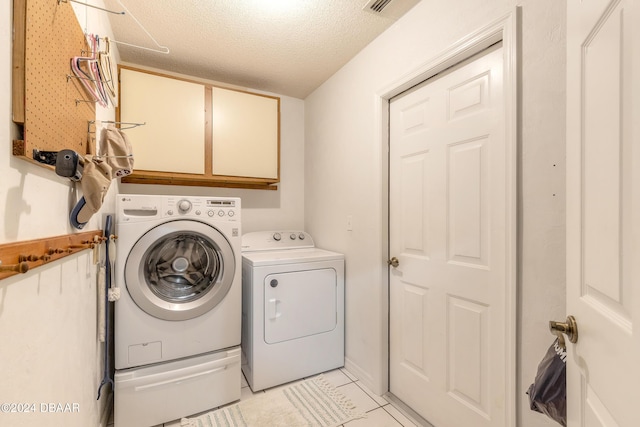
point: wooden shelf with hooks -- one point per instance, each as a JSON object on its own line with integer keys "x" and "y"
{"x": 20, "y": 257}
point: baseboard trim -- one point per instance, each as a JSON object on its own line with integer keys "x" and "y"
{"x": 363, "y": 376}
{"x": 407, "y": 411}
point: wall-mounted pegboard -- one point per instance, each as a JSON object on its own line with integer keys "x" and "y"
{"x": 50, "y": 105}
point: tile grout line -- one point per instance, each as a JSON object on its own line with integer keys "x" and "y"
{"x": 350, "y": 381}
{"x": 391, "y": 415}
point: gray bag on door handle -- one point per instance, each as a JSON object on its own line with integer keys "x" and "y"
{"x": 548, "y": 393}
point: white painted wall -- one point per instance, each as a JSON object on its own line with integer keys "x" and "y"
{"x": 48, "y": 316}
{"x": 345, "y": 174}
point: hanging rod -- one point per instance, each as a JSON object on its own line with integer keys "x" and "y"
{"x": 161, "y": 49}
{"x": 130, "y": 125}
{"x": 90, "y": 5}
{"x": 69, "y": 76}
{"x": 86, "y": 101}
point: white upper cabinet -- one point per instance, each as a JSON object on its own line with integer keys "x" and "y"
{"x": 198, "y": 134}
{"x": 245, "y": 134}
{"x": 173, "y": 113}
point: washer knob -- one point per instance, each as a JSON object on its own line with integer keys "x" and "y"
{"x": 301, "y": 236}
{"x": 184, "y": 206}
{"x": 210, "y": 213}
{"x": 231, "y": 213}
{"x": 277, "y": 237}
{"x": 292, "y": 236}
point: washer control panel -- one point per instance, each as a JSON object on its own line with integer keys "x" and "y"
{"x": 276, "y": 240}
{"x": 137, "y": 207}
{"x": 211, "y": 208}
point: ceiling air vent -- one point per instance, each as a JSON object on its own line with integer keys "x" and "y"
{"x": 378, "y": 6}
{"x": 392, "y": 9}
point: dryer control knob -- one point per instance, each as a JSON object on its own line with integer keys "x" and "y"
{"x": 277, "y": 237}
{"x": 210, "y": 213}
{"x": 301, "y": 236}
{"x": 184, "y": 206}
{"x": 292, "y": 236}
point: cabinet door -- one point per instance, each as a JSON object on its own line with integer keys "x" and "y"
{"x": 174, "y": 112}
{"x": 245, "y": 134}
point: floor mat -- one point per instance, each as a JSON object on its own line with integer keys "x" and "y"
{"x": 311, "y": 403}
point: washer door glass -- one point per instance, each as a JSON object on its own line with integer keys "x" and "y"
{"x": 180, "y": 270}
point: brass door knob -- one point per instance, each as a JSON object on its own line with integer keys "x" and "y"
{"x": 568, "y": 328}
{"x": 393, "y": 262}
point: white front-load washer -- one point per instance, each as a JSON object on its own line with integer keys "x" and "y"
{"x": 178, "y": 319}
{"x": 292, "y": 308}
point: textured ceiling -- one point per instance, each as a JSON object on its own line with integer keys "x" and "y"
{"x": 288, "y": 47}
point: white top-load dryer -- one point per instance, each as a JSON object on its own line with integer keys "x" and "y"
{"x": 292, "y": 308}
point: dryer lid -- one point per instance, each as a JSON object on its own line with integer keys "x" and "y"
{"x": 290, "y": 256}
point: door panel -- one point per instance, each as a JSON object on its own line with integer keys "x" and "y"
{"x": 447, "y": 228}
{"x": 416, "y": 329}
{"x": 175, "y": 117}
{"x": 415, "y": 205}
{"x": 468, "y": 239}
{"x": 603, "y": 210}
{"x": 245, "y": 134}
{"x": 299, "y": 304}
{"x": 468, "y": 345}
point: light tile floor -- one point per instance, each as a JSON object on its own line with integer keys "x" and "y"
{"x": 379, "y": 411}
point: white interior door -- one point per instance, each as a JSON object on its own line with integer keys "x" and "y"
{"x": 603, "y": 211}
{"x": 448, "y": 230}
